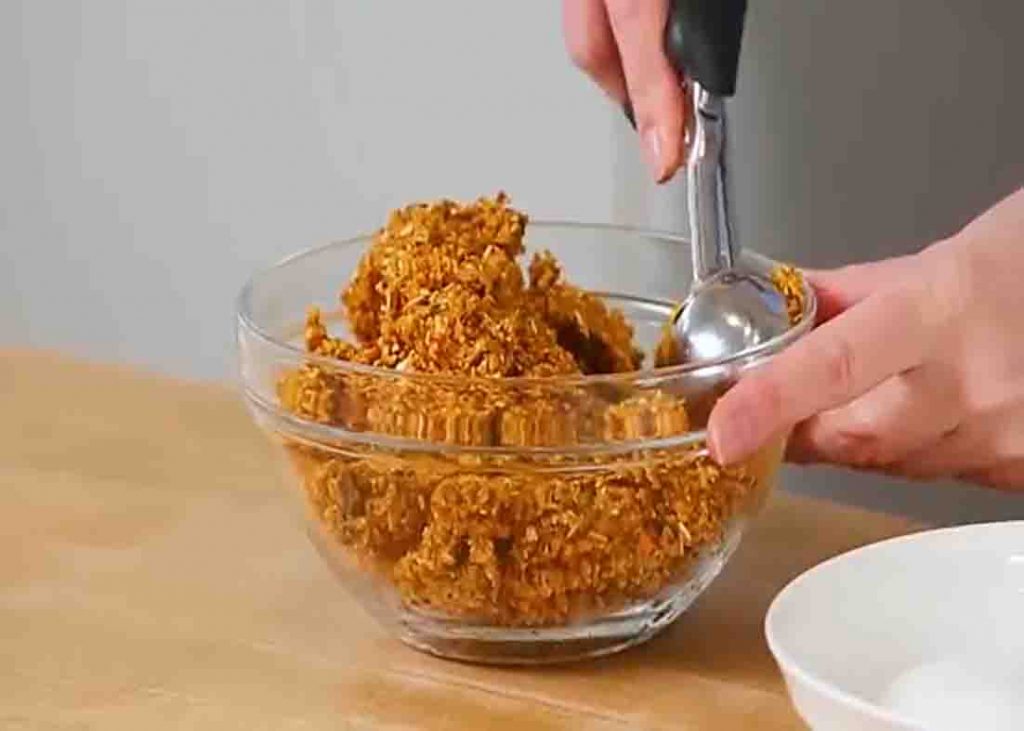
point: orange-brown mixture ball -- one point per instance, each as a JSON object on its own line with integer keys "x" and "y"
{"x": 497, "y": 537}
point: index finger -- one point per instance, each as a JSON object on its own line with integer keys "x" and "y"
{"x": 655, "y": 91}
{"x": 888, "y": 333}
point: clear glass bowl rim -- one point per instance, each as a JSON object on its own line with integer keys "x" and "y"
{"x": 649, "y": 377}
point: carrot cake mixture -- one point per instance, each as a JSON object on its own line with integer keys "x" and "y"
{"x": 442, "y": 303}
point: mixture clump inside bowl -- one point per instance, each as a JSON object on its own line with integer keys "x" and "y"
{"x": 482, "y": 359}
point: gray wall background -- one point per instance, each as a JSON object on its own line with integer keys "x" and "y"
{"x": 152, "y": 153}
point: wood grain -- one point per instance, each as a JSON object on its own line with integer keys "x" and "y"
{"x": 152, "y": 575}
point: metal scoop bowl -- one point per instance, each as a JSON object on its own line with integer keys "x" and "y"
{"x": 733, "y": 305}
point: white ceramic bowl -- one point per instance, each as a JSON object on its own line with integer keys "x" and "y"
{"x": 923, "y": 631}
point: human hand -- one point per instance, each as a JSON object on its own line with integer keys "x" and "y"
{"x": 618, "y": 43}
{"x": 916, "y": 367}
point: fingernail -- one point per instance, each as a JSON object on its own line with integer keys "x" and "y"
{"x": 627, "y": 109}
{"x": 652, "y": 152}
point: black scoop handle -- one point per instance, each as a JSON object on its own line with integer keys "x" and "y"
{"x": 702, "y": 40}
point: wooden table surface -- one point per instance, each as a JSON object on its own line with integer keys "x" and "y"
{"x": 152, "y": 576}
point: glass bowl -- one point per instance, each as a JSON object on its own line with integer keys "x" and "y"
{"x": 509, "y": 520}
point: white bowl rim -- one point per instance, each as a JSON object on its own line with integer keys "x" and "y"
{"x": 788, "y": 665}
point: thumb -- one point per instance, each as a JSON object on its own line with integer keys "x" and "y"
{"x": 883, "y": 334}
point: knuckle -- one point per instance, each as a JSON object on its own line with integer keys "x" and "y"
{"x": 854, "y": 439}
{"x": 586, "y": 53}
{"x": 801, "y": 448}
{"x": 840, "y": 367}
{"x": 949, "y": 288}
{"x": 857, "y": 446}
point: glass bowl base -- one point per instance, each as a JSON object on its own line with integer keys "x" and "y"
{"x": 596, "y": 637}
{"x": 541, "y": 645}
{"x": 489, "y": 644}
